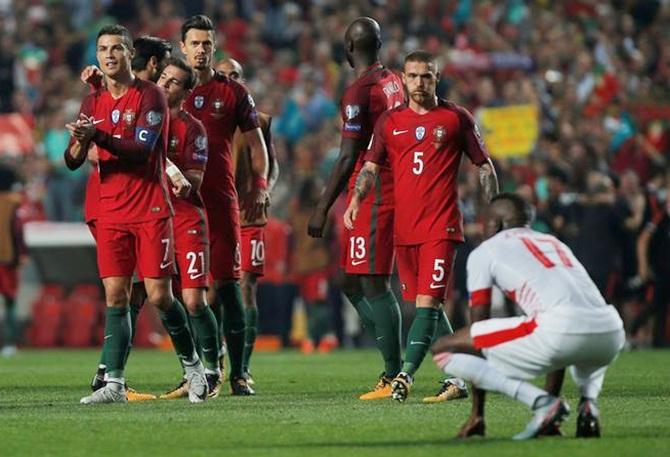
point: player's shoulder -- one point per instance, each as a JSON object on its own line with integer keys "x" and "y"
{"x": 190, "y": 120}
{"x": 147, "y": 87}
{"x": 394, "y": 113}
{"x": 452, "y": 106}
{"x": 226, "y": 83}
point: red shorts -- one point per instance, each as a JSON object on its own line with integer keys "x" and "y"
{"x": 425, "y": 269}
{"x": 9, "y": 281}
{"x": 224, "y": 242}
{"x": 191, "y": 249}
{"x": 149, "y": 246}
{"x": 368, "y": 248}
{"x": 253, "y": 249}
{"x": 314, "y": 286}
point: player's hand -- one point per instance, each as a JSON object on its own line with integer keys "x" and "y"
{"x": 255, "y": 202}
{"x": 82, "y": 129}
{"x": 645, "y": 273}
{"x": 317, "y": 222}
{"x": 92, "y": 75}
{"x": 181, "y": 187}
{"x": 351, "y": 214}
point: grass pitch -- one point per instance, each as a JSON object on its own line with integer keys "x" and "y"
{"x": 306, "y": 405}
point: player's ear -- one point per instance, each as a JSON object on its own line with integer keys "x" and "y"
{"x": 153, "y": 61}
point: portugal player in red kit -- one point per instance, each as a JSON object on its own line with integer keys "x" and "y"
{"x": 187, "y": 149}
{"x": 127, "y": 122}
{"x": 367, "y": 258}
{"x": 423, "y": 142}
{"x": 223, "y": 105}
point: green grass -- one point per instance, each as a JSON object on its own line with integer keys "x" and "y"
{"x": 306, "y": 405}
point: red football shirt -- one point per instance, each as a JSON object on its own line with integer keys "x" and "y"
{"x": 375, "y": 91}
{"x": 187, "y": 149}
{"x": 221, "y": 105}
{"x": 425, "y": 153}
{"x": 133, "y": 125}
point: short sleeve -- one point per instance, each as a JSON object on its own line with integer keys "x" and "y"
{"x": 471, "y": 139}
{"x": 245, "y": 108}
{"x": 196, "y": 150}
{"x": 480, "y": 281}
{"x": 353, "y": 111}
{"x": 152, "y": 118}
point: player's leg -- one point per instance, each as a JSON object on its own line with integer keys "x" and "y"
{"x": 205, "y": 331}
{"x": 173, "y": 316}
{"x": 249, "y": 285}
{"x": 252, "y": 250}
{"x": 8, "y": 289}
{"x": 595, "y": 353}
{"x": 226, "y": 269}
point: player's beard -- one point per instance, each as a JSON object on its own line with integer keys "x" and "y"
{"x": 420, "y": 98}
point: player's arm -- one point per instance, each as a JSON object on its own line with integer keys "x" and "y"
{"x": 344, "y": 167}
{"x": 473, "y": 145}
{"x": 254, "y": 202}
{"x": 273, "y": 163}
{"x": 77, "y": 149}
{"x": 92, "y": 76}
{"x": 364, "y": 182}
{"x": 181, "y": 186}
{"x": 375, "y": 156}
{"x": 150, "y": 124}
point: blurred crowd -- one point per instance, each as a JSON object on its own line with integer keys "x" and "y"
{"x": 598, "y": 73}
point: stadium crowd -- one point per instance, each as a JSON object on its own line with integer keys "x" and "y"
{"x": 594, "y": 71}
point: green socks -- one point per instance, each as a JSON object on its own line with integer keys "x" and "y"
{"x": 117, "y": 340}
{"x": 174, "y": 321}
{"x": 443, "y": 325}
{"x": 319, "y": 320}
{"x": 230, "y": 295}
{"x": 365, "y": 312}
{"x": 387, "y": 318}
{"x": 11, "y": 327}
{"x": 420, "y": 338}
{"x": 251, "y": 321}
{"x": 204, "y": 329}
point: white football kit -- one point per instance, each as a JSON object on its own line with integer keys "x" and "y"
{"x": 567, "y": 322}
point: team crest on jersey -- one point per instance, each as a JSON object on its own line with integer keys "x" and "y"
{"x": 439, "y": 135}
{"x": 420, "y": 132}
{"x": 154, "y": 118}
{"x": 217, "y": 109}
{"x": 199, "y": 101}
{"x": 116, "y": 114}
{"x": 129, "y": 117}
{"x": 351, "y": 111}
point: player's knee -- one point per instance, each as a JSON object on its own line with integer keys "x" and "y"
{"x": 426, "y": 301}
{"x": 194, "y": 305}
{"x": 351, "y": 286}
{"x": 375, "y": 285}
{"x": 161, "y": 299}
{"x": 117, "y": 298}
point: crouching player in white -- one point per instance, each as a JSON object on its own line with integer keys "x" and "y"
{"x": 567, "y": 322}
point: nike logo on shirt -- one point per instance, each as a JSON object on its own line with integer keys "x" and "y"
{"x": 436, "y": 286}
{"x": 399, "y": 132}
{"x": 165, "y": 265}
{"x": 357, "y": 262}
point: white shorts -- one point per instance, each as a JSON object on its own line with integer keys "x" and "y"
{"x": 521, "y": 349}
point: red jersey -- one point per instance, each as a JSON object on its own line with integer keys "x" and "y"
{"x": 425, "y": 152}
{"x": 375, "y": 91}
{"x": 131, "y": 140}
{"x": 221, "y": 105}
{"x": 92, "y": 195}
{"x": 187, "y": 149}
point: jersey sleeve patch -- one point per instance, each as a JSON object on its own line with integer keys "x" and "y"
{"x": 145, "y": 136}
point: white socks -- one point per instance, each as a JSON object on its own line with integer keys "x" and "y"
{"x": 484, "y": 376}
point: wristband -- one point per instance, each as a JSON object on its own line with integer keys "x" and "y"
{"x": 260, "y": 182}
{"x": 173, "y": 171}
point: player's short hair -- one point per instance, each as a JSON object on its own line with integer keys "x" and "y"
{"x": 117, "y": 30}
{"x": 420, "y": 56}
{"x": 198, "y": 22}
{"x": 147, "y": 47}
{"x": 524, "y": 212}
{"x": 191, "y": 79}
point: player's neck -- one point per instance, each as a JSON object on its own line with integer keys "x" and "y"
{"x": 363, "y": 64}
{"x": 118, "y": 86}
{"x": 425, "y": 107}
{"x": 174, "y": 110}
{"x": 204, "y": 76}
